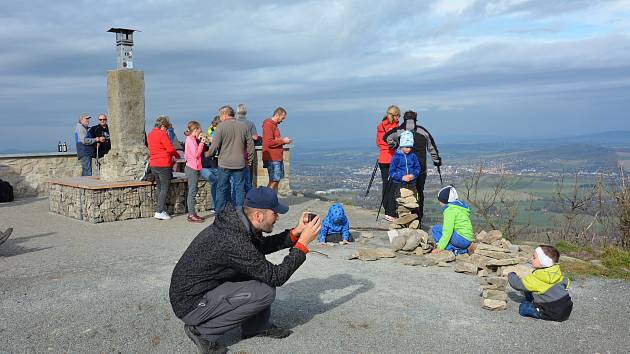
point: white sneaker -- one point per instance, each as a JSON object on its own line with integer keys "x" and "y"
{"x": 162, "y": 216}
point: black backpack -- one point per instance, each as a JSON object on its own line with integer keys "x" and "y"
{"x": 6, "y": 192}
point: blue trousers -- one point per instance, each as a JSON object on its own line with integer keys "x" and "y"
{"x": 247, "y": 179}
{"x": 210, "y": 175}
{"x": 223, "y": 187}
{"x": 457, "y": 244}
{"x": 86, "y": 165}
{"x": 527, "y": 308}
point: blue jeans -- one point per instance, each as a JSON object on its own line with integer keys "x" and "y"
{"x": 275, "y": 169}
{"x": 223, "y": 187}
{"x": 527, "y": 308}
{"x": 86, "y": 165}
{"x": 457, "y": 244}
{"x": 210, "y": 175}
{"x": 247, "y": 178}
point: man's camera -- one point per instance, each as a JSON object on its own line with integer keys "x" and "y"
{"x": 310, "y": 217}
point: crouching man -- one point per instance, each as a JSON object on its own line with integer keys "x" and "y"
{"x": 223, "y": 280}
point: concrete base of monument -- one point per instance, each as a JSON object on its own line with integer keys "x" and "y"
{"x": 95, "y": 201}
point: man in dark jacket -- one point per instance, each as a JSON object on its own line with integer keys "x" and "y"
{"x": 223, "y": 280}
{"x": 422, "y": 141}
{"x": 101, "y": 130}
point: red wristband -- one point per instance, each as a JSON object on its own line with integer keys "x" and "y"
{"x": 302, "y": 247}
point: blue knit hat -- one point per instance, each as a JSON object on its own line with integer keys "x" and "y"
{"x": 448, "y": 194}
{"x": 406, "y": 139}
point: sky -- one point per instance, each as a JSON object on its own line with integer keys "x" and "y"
{"x": 513, "y": 68}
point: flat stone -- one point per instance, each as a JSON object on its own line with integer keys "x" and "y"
{"x": 487, "y": 247}
{"x": 443, "y": 264}
{"x": 443, "y": 256}
{"x": 502, "y": 262}
{"x": 493, "y": 254}
{"x": 365, "y": 254}
{"x": 464, "y": 267}
{"x": 481, "y": 235}
{"x": 414, "y": 224}
{"x": 522, "y": 270}
{"x": 413, "y": 205}
{"x": 515, "y": 248}
{"x": 480, "y": 261}
{"x": 398, "y": 243}
{"x": 395, "y": 226}
{"x": 526, "y": 250}
{"x": 492, "y": 236}
{"x": 494, "y": 294}
{"x": 410, "y": 199}
{"x": 405, "y": 219}
{"x": 418, "y": 261}
{"x": 464, "y": 257}
{"x": 404, "y": 192}
{"x": 499, "y": 282}
{"x": 493, "y": 305}
{"x": 564, "y": 258}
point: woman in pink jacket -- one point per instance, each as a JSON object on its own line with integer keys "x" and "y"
{"x": 192, "y": 154}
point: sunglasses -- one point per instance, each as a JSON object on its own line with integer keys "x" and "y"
{"x": 394, "y": 114}
{"x": 103, "y": 120}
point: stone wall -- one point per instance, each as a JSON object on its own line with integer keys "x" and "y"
{"x": 115, "y": 204}
{"x": 29, "y": 173}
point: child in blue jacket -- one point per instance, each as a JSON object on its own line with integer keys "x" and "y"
{"x": 335, "y": 222}
{"x": 404, "y": 167}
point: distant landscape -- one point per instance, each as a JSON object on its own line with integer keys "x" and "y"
{"x": 533, "y": 167}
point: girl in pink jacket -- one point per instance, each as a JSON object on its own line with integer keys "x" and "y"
{"x": 192, "y": 154}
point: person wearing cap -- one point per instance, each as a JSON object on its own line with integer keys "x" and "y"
{"x": 85, "y": 144}
{"x": 456, "y": 232}
{"x": 423, "y": 142}
{"x": 223, "y": 279}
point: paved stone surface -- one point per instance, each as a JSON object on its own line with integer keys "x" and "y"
{"x": 67, "y": 286}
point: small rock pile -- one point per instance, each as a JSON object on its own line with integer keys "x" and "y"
{"x": 407, "y": 207}
{"x": 410, "y": 241}
{"x": 493, "y": 259}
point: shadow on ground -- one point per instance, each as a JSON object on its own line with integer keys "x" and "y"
{"x": 303, "y": 299}
{"x": 12, "y": 246}
{"x": 21, "y": 201}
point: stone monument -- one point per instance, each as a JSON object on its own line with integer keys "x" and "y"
{"x": 127, "y": 159}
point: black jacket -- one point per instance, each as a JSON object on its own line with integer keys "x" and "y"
{"x": 228, "y": 251}
{"x": 422, "y": 141}
{"x": 104, "y": 147}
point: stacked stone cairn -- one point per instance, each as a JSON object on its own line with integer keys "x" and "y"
{"x": 493, "y": 259}
{"x": 407, "y": 207}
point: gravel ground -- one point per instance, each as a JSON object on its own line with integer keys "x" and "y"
{"x": 71, "y": 287}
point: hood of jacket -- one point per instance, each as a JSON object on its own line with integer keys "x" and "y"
{"x": 457, "y": 204}
{"x": 336, "y": 215}
{"x": 543, "y": 278}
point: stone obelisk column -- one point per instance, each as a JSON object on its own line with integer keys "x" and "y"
{"x": 125, "y": 104}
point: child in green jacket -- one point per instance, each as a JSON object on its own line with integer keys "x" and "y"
{"x": 546, "y": 294}
{"x": 456, "y": 232}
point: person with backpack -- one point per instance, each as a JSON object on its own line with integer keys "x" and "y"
{"x": 423, "y": 142}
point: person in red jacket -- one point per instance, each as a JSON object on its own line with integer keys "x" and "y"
{"x": 385, "y": 153}
{"x": 272, "y": 147}
{"x": 161, "y": 153}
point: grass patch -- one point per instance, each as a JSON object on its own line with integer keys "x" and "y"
{"x": 614, "y": 263}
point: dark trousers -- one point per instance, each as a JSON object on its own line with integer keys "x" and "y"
{"x": 246, "y": 304}
{"x": 420, "y": 189}
{"x": 162, "y": 176}
{"x": 193, "y": 178}
{"x": 389, "y": 203}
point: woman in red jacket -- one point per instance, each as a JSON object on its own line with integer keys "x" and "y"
{"x": 161, "y": 153}
{"x": 390, "y": 121}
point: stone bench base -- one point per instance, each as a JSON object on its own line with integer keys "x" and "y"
{"x": 94, "y": 201}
